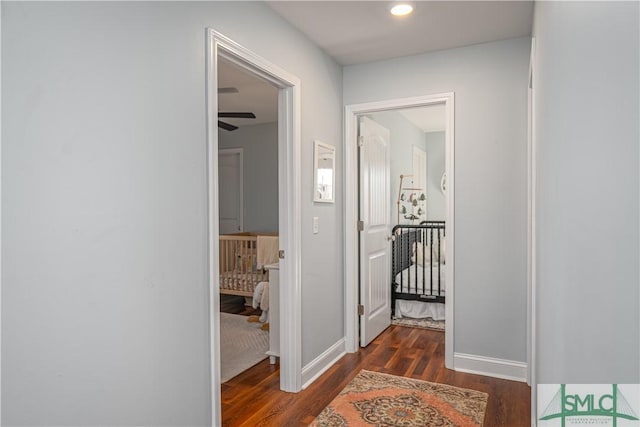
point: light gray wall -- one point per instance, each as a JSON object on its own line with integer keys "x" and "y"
{"x": 586, "y": 85}
{"x": 436, "y": 203}
{"x": 490, "y": 85}
{"x": 260, "y": 173}
{"x": 104, "y": 279}
{"x": 403, "y": 135}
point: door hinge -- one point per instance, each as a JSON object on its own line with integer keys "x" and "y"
{"x": 360, "y": 310}
{"x": 360, "y": 141}
{"x": 360, "y": 225}
{"x": 281, "y": 254}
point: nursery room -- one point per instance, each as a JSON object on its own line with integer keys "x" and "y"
{"x": 248, "y": 194}
{"x": 417, "y": 212}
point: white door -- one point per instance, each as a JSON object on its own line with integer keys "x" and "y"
{"x": 420, "y": 169}
{"x": 230, "y": 190}
{"x": 420, "y": 176}
{"x": 375, "y": 247}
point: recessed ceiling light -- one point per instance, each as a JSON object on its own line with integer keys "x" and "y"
{"x": 401, "y": 9}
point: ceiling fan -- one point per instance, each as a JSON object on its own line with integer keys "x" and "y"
{"x": 235, "y": 115}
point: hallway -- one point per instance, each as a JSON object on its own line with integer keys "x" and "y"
{"x": 410, "y": 352}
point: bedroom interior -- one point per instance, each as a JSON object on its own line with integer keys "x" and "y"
{"x": 418, "y": 212}
{"x": 248, "y": 189}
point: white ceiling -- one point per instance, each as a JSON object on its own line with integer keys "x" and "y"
{"x": 354, "y": 32}
{"x": 361, "y": 31}
{"x": 428, "y": 119}
{"x": 254, "y": 95}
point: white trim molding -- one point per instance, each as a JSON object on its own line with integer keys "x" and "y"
{"x": 322, "y": 363}
{"x": 289, "y": 205}
{"x": 0, "y": 229}
{"x": 351, "y": 276}
{"x": 531, "y": 234}
{"x": 491, "y": 367}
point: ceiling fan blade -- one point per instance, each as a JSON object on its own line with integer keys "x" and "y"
{"x": 238, "y": 115}
{"x": 226, "y": 126}
{"x": 228, "y": 90}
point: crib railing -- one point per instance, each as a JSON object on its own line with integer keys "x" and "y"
{"x": 238, "y": 272}
{"x": 423, "y": 269}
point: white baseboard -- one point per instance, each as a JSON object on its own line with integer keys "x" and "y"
{"x": 490, "y": 367}
{"x": 320, "y": 364}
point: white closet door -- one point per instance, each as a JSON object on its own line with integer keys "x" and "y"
{"x": 230, "y": 190}
{"x": 420, "y": 169}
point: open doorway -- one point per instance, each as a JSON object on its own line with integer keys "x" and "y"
{"x": 416, "y": 208}
{"x": 400, "y": 193}
{"x": 248, "y": 218}
{"x": 288, "y": 271}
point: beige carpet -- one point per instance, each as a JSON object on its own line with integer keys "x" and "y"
{"x": 242, "y": 345}
{"x": 376, "y": 399}
{"x": 427, "y": 323}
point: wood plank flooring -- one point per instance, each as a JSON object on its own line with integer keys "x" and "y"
{"x": 253, "y": 398}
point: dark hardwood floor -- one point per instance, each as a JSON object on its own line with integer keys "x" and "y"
{"x": 235, "y": 305}
{"x": 253, "y": 398}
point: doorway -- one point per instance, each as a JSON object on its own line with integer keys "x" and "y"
{"x": 288, "y": 86}
{"x": 248, "y": 200}
{"x": 354, "y": 311}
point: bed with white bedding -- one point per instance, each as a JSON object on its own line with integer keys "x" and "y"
{"x": 418, "y": 270}
{"x": 420, "y": 280}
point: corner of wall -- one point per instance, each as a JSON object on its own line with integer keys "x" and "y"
{"x": 322, "y": 363}
{"x": 490, "y": 367}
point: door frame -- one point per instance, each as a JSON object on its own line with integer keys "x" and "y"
{"x": 240, "y": 152}
{"x": 351, "y": 248}
{"x": 289, "y": 205}
{"x": 532, "y": 154}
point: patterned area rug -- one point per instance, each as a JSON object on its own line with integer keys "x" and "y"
{"x": 375, "y": 399}
{"x": 427, "y": 323}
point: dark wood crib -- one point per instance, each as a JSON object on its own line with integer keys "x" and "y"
{"x": 418, "y": 262}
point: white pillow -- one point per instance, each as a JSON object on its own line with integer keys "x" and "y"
{"x": 439, "y": 257}
{"x": 430, "y": 254}
{"x": 417, "y": 256}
